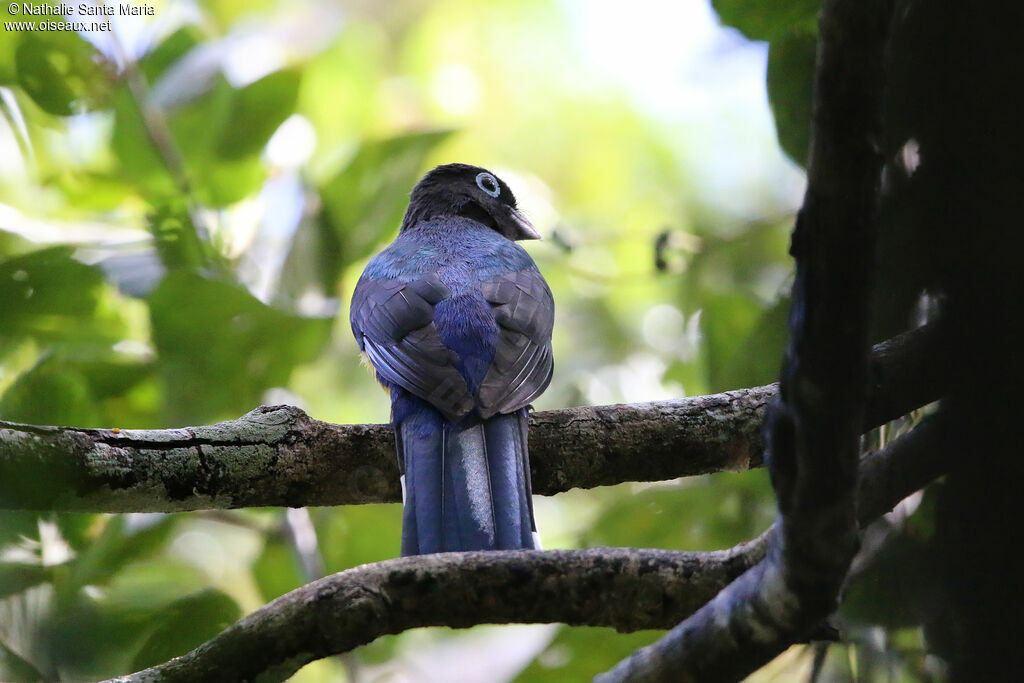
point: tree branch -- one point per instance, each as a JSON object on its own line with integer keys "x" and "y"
{"x": 907, "y": 464}
{"x": 622, "y": 588}
{"x": 280, "y": 456}
{"x": 814, "y": 428}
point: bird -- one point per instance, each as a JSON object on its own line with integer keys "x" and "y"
{"x": 456, "y": 320}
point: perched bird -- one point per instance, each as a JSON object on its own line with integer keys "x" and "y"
{"x": 456, "y": 320}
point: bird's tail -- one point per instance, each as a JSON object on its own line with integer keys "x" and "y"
{"x": 466, "y": 487}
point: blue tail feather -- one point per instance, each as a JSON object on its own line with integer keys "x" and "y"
{"x": 468, "y": 485}
{"x": 421, "y": 442}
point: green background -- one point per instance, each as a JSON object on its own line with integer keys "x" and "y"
{"x": 183, "y": 216}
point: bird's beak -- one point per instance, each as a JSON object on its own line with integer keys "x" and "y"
{"x": 518, "y": 228}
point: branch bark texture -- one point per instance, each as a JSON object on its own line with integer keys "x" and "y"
{"x": 623, "y": 588}
{"x": 280, "y": 456}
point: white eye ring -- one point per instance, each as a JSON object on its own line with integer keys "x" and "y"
{"x": 488, "y": 183}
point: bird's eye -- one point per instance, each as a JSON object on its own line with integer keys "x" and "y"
{"x": 488, "y": 183}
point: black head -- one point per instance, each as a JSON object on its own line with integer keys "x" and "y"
{"x": 471, "y": 192}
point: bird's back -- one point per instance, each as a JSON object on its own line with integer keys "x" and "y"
{"x": 464, "y": 256}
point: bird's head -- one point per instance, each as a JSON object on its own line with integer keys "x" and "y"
{"x": 471, "y": 192}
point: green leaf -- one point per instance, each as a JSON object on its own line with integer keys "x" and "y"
{"x": 9, "y": 47}
{"x": 727, "y": 320}
{"x": 84, "y": 391}
{"x": 313, "y": 264}
{"x": 758, "y": 359}
{"x": 276, "y": 570}
{"x": 16, "y": 577}
{"x": 580, "y": 653}
{"x": 89, "y": 638}
{"x": 218, "y": 133}
{"x": 791, "y": 60}
{"x": 767, "y": 20}
{"x": 220, "y": 348}
{"x": 170, "y": 50}
{"x": 196, "y": 125}
{"x": 47, "y": 294}
{"x": 222, "y": 182}
{"x": 112, "y": 376}
{"x": 92, "y": 191}
{"x": 76, "y": 528}
{"x": 343, "y": 543}
{"x": 13, "y": 244}
{"x": 256, "y": 112}
{"x": 715, "y": 511}
{"x": 62, "y": 72}
{"x": 115, "y": 547}
{"x": 186, "y": 624}
{"x": 14, "y": 667}
{"x": 51, "y": 393}
{"x": 139, "y": 162}
{"x": 194, "y": 128}
{"x": 15, "y": 524}
{"x": 365, "y": 201}
{"x": 177, "y": 241}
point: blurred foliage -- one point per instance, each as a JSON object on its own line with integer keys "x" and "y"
{"x": 759, "y": 21}
{"x": 61, "y": 71}
{"x": 219, "y": 352}
{"x": 582, "y": 653}
{"x": 791, "y": 31}
{"x": 183, "y": 215}
{"x": 790, "y": 89}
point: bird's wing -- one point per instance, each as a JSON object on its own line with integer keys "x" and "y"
{"x": 525, "y": 312}
{"x": 393, "y": 324}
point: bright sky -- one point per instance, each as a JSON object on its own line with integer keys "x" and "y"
{"x": 683, "y": 67}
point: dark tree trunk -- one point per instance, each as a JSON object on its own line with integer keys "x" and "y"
{"x": 956, "y": 70}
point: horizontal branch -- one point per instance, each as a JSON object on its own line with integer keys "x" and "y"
{"x": 621, "y": 588}
{"x": 907, "y": 464}
{"x": 280, "y": 456}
